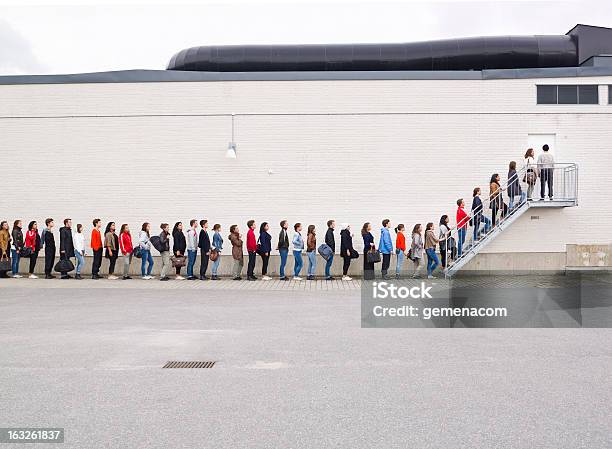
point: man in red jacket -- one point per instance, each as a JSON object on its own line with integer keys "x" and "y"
{"x": 251, "y": 244}
{"x": 463, "y": 220}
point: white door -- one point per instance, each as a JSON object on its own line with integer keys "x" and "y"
{"x": 537, "y": 141}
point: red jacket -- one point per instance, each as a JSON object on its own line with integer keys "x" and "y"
{"x": 125, "y": 243}
{"x": 462, "y": 218}
{"x": 251, "y": 241}
{"x": 30, "y": 240}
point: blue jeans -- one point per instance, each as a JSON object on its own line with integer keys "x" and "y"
{"x": 432, "y": 260}
{"x": 283, "y": 255}
{"x": 328, "y": 265}
{"x": 312, "y": 262}
{"x": 299, "y": 263}
{"x": 400, "y": 262}
{"x": 522, "y": 197}
{"x": 146, "y": 257}
{"x": 461, "y": 236}
{"x": 80, "y": 261}
{"x": 487, "y": 226}
{"x": 191, "y": 259}
{"x": 14, "y": 261}
{"x": 215, "y": 265}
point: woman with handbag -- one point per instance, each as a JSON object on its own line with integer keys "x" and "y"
{"x": 237, "y": 252}
{"x": 79, "y": 250}
{"x": 496, "y": 200}
{"x": 179, "y": 246}
{"x": 368, "y": 246}
{"x": 144, "y": 241}
{"x": 416, "y": 248}
{"x": 111, "y": 243}
{"x": 531, "y": 175}
{"x": 347, "y": 252}
{"x": 264, "y": 248}
{"x": 400, "y": 248}
{"x": 16, "y": 248}
{"x": 127, "y": 248}
{"x": 215, "y": 251}
{"x": 311, "y": 251}
{"x": 5, "y": 245}
{"x": 32, "y": 246}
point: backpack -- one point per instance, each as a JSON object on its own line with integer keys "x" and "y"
{"x": 157, "y": 243}
{"x": 42, "y": 238}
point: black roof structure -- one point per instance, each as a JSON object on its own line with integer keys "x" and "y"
{"x": 473, "y": 53}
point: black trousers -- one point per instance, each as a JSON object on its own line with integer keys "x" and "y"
{"x": 346, "y": 263}
{"x": 33, "y": 260}
{"x": 97, "y": 262}
{"x": 386, "y": 261}
{"x": 49, "y": 260}
{"x": 443, "y": 257}
{"x": 368, "y": 268}
{"x": 546, "y": 180}
{"x": 111, "y": 263}
{"x": 204, "y": 263}
{"x": 264, "y": 264}
{"x": 251, "y": 264}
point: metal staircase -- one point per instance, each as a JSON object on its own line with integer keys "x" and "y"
{"x": 565, "y": 189}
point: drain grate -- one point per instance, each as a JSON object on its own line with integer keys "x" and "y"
{"x": 189, "y": 365}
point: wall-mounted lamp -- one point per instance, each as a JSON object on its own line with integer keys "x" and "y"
{"x": 231, "y": 150}
{"x": 231, "y": 147}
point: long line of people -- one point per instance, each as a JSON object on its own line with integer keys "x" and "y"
{"x": 186, "y": 244}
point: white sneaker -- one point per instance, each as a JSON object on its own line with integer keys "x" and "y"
{"x": 32, "y": 276}
{"x": 347, "y": 278}
{"x": 179, "y": 278}
{"x": 17, "y": 276}
{"x": 297, "y": 278}
{"x": 430, "y": 276}
{"x": 112, "y": 277}
{"x": 266, "y": 278}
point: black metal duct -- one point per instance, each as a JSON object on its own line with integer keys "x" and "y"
{"x": 478, "y": 53}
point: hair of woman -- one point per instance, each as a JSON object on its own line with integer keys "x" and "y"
{"x": 364, "y": 228}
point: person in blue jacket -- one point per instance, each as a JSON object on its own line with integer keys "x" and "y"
{"x": 385, "y": 246}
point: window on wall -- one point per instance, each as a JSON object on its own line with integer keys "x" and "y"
{"x": 568, "y": 94}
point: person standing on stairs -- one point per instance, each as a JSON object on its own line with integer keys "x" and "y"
{"x": 463, "y": 220}
{"x": 515, "y": 192}
{"x": 546, "y": 163}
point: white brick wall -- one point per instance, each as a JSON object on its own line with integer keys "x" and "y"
{"x": 117, "y": 152}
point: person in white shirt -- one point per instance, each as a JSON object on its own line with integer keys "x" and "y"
{"x": 192, "y": 247}
{"x": 546, "y": 163}
{"x": 531, "y": 173}
{"x": 78, "y": 239}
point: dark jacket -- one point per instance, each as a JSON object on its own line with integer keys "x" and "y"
{"x": 477, "y": 208}
{"x": 17, "y": 237}
{"x": 180, "y": 244}
{"x": 66, "y": 244}
{"x": 346, "y": 243}
{"x": 283, "y": 239}
{"x": 204, "y": 241}
{"x": 265, "y": 242}
{"x": 49, "y": 242}
{"x": 165, "y": 240}
{"x": 514, "y": 186}
{"x": 330, "y": 240}
{"x": 368, "y": 239}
